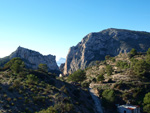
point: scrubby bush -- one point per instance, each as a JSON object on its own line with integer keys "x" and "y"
{"x": 64, "y": 89}
{"x": 113, "y": 60}
{"x": 51, "y": 109}
{"x": 43, "y": 67}
{"x": 108, "y": 98}
{"x": 146, "y": 101}
{"x": 59, "y": 108}
{"x": 85, "y": 84}
{"x": 140, "y": 67}
{"x": 32, "y": 79}
{"x": 147, "y": 59}
{"x": 148, "y": 51}
{"x": 109, "y": 95}
{"x": 132, "y": 53}
{"x": 122, "y": 64}
{"x": 109, "y": 70}
{"x": 77, "y": 76}
{"x": 16, "y": 83}
{"x": 100, "y": 77}
{"x": 107, "y": 57}
{"x": 16, "y": 65}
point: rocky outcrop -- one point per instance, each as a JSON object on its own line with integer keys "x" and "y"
{"x": 61, "y": 68}
{"x": 95, "y": 46}
{"x": 32, "y": 59}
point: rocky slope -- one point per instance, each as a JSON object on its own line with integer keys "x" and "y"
{"x": 61, "y": 67}
{"x": 128, "y": 80}
{"x": 95, "y": 46}
{"x": 32, "y": 59}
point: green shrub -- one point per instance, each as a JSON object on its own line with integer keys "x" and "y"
{"x": 108, "y": 98}
{"x": 32, "y": 79}
{"x": 109, "y": 70}
{"x": 148, "y": 51}
{"x": 140, "y": 67}
{"x": 146, "y": 101}
{"x": 107, "y": 57}
{"x": 147, "y": 58}
{"x": 77, "y": 76}
{"x": 85, "y": 84}
{"x": 100, "y": 77}
{"x": 109, "y": 95}
{"x": 64, "y": 89}
{"x": 17, "y": 83}
{"x": 16, "y": 65}
{"x": 43, "y": 67}
{"x": 132, "y": 53}
{"x": 40, "y": 99}
{"x": 113, "y": 60}
{"x": 122, "y": 64}
{"x": 51, "y": 109}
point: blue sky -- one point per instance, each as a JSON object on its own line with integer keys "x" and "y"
{"x": 53, "y": 26}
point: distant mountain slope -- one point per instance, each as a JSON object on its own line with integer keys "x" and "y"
{"x": 32, "y": 59}
{"x": 61, "y": 61}
{"x": 95, "y": 46}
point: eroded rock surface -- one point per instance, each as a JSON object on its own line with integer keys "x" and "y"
{"x": 95, "y": 46}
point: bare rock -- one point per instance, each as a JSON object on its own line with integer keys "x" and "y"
{"x": 32, "y": 58}
{"x": 95, "y": 46}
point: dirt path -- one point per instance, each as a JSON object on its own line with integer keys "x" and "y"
{"x": 96, "y": 100}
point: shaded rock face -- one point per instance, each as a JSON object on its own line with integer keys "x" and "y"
{"x": 95, "y": 46}
{"x": 32, "y": 58}
{"x": 61, "y": 68}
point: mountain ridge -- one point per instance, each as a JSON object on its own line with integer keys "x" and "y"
{"x": 33, "y": 58}
{"x": 96, "y": 45}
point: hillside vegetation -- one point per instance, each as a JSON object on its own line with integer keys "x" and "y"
{"x": 28, "y": 91}
{"x": 120, "y": 80}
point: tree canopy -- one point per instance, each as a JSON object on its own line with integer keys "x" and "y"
{"x": 43, "y": 67}
{"x": 109, "y": 70}
{"x": 148, "y": 51}
{"x": 77, "y": 76}
{"x": 140, "y": 67}
{"x": 132, "y": 53}
{"x": 146, "y": 101}
{"x": 15, "y": 64}
{"x": 100, "y": 77}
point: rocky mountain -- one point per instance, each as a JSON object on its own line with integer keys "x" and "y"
{"x": 61, "y": 61}
{"x": 95, "y": 46}
{"x": 32, "y": 59}
{"x": 61, "y": 67}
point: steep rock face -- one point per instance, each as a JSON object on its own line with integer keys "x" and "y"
{"x": 32, "y": 58}
{"x": 95, "y": 46}
{"x": 61, "y": 67}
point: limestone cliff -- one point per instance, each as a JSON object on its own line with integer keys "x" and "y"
{"x": 95, "y": 46}
{"x": 32, "y": 58}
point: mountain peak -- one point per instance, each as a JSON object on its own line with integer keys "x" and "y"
{"x": 95, "y": 46}
{"x": 33, "y": 58}
{"x": 21, "y": 48}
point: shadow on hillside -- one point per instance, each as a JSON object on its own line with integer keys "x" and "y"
{"x": 33, "y": 98}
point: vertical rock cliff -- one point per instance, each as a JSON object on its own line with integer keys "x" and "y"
{"x": 95, "y": 46}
